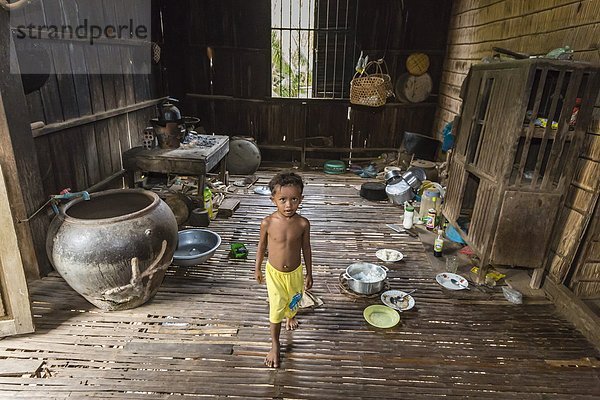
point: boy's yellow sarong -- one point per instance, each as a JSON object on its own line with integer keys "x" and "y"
{"x": 285, "y": 292}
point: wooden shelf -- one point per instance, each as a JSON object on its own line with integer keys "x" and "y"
{"x": 538, "y": 133}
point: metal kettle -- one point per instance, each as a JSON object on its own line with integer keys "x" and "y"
{"x": 168, "y": 111}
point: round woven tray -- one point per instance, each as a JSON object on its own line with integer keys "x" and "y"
{"x": 417, "y": 63}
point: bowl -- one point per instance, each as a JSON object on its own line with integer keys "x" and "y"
{"x": 195, "y": 246}
{"x": 381, "y": 316}
{"x": 334, "y": 167}
{"x": 389, "y": 255}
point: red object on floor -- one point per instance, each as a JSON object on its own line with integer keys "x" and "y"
{"x": 467, "y": 250}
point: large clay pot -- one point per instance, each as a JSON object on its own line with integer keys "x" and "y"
{"x": 113, "y": 249}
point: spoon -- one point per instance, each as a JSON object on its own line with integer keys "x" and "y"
{"x": 398, "y": 299}
{"x": 457, "y": 283}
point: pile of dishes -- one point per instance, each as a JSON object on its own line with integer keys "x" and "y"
{"x": 401, "y": 188}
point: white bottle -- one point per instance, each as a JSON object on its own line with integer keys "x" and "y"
{"x": 409, "y": 213}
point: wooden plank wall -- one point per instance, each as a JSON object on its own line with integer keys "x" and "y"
{"x": 238, "y": 102}
{"x": 89, "y": 119}
{"x": 534, "y": 28}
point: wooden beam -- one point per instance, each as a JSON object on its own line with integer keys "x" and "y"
{"x": 19, "y": 160}
{"x": 326, "y": 149}
{"x": 276, "y": 100}
{"x": 16, "y": 317}
{"x": 71, "y": 123}
{"x": 574, "y": 310}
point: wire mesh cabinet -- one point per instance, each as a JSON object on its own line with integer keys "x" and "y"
{"x": 521, "y": 129}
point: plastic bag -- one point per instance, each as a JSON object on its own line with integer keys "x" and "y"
{"x": 512, "y": 295}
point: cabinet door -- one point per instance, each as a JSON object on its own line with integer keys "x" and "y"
{"x": 524, "y": 228}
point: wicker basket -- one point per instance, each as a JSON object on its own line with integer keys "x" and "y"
{"x": 382, "y": 72}
{"x": 368, "y": 89}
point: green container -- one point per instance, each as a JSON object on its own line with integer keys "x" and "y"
{"x": 334, "y": 167}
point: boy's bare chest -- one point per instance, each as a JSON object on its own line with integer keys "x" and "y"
{"x": 282, "y": 234}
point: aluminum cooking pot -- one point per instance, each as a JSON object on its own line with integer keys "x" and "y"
{"x": 399, "y": 193}
{"x": 366, "y": 278}
{"x": 392, "y": 176}
{"x": 414, "y": 177}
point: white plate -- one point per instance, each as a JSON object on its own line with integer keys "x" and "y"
{"x": 389, "y": 255}
{"x": 445, "y": 279}
{"x": 263, "y": 190}
{"x": 387, "y": 295}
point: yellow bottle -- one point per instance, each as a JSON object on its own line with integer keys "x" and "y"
{"x": 208, "y": 204}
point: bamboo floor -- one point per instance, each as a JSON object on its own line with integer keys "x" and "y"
{"x": 205, "y": 333}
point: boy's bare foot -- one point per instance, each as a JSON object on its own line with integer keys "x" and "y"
{"x": 272, "y": 358}
{"x": 291, "y": 324}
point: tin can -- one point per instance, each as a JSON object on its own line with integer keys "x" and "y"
{"x": 430, "y": 223}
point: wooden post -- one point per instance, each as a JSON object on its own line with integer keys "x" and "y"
{"x": 19, "y": 160}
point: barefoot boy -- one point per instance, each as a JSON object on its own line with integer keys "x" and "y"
{"x": 287, "y": 236}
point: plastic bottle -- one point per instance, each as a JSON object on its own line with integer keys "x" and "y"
{"x": 438, "y": 244}
{"x": 208, "y": 205}
{"x": 409, "y": 212}
{"x": 429, "y": 199}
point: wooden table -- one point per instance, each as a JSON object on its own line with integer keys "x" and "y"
{"x": 183, "y": 161}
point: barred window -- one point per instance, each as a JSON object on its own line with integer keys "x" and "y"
{"x": 313, "y": 47}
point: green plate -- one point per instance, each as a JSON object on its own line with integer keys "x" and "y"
{"x": 381, "y": 316}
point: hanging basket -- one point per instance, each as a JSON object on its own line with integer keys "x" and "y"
{"x": 369, "y": 89}
{"x": 382, "y": 72}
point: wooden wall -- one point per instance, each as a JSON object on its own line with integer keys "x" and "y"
{"x": 535, "y": 27}
{"x": 238, "y": 102}
{"x": 88, "y": 119}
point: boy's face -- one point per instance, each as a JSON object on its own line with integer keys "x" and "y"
{"x": 287, "y": 199}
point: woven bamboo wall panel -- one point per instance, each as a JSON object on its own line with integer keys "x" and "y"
{"x": 587, "y": 174}
{"x": 570, "y": 237}
{"x": 591, "y": 147}
{"x": 558, "y": 266}
{"x": 540, "y": 21}
{"x": 454, "y": 78}
{"x": 586, "y": 280}
{"x": 586, "y": 277}
{"x": 594, "y": 250}
{"x": 449, "y": 104}
{"x": 475, "y": 12}
{"x": 532, "y": 43}
{"x": 451, "y": 92}
{"x": 579, "y": 199}
{"x": 595, "y": 123}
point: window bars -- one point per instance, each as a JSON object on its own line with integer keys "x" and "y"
{"x": 313, "y": 47}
